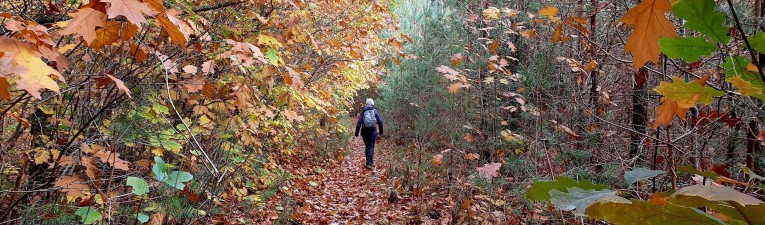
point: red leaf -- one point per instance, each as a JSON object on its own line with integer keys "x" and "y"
{"x": 720, "y": 169}
{"x": 193, "y": 197}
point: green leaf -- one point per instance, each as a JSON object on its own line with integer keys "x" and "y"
{"x": 177, "y": 178}
{"x": 578, "y": 199}
{"x": 750, "y": 173}
{"x": 700, "y": 15}
{"x": 737, "y": 66}
{"x": 139, "y": 185}
{"x": 687, "y": 94}
{"x": 641, "y": 213}
{"x": 5, "y": 183}
{"x": 757, "y": 41}
{"x": 273, "y": 56}
{"x": 159, "y": 169}
{"x": 540, "y": 190}
{"x": 88, "y": 215}
{"x": 737, "y": 212}
{"x": 689, "y": 169}
{"x": 690, "y": 49}
{"x": 160, "y": 109}
{"x": 640, "y": 173}
{"x": 142, "y": 217}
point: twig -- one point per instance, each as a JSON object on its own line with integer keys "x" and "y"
{"x": 188, "y": 129}
{"x": 746, "y": 41}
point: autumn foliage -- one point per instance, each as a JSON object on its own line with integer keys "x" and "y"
{"x": 217, "y": 95}
{"x": 502, "y": 112}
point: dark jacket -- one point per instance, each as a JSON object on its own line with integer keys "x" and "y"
{"x": 369, "y": 131}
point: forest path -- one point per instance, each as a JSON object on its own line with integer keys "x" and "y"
{"x": 349, "y": 193}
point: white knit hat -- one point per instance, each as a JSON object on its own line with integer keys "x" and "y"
{"x": 370, "y": 101}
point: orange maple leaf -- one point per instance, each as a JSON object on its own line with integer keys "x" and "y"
{"x": 667, "y": 111}
{"x": 84, "y": 22}
{"x": 650, "y": 24}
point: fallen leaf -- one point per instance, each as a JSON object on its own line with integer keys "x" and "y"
{"x": 489, "y": 170}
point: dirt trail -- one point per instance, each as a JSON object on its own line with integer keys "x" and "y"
{"x": 351, "y": 194}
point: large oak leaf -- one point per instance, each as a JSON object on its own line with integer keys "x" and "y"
{"x": 132, "y": 10}
{"x": 650, "y": 24}
{"x": 23, "y": 62}
{"x": 84, "y": 22}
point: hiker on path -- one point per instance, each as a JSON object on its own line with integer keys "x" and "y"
{"x": 368, "y": 121}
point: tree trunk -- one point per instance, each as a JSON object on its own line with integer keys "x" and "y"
{"x": 639, "y": 112}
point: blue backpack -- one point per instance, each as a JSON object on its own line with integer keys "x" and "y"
{"x": 369, "y": 118}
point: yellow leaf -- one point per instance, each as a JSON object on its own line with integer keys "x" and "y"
{"x": 745, "y": 87}
{"x": 24, "y": 63}
{"x": 549, "y": 12}
{"x": 45, "y": 156}
{"x": 157, "y": 151}
{"x": 509, "y": 136}
{"x": 269, "y": 41}
{"x": 649, "y": 24}
{"x": 687, "y": 94}
{"x": 491, "y": 13}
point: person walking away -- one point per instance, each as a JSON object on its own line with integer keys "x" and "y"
{"x": 367, "y": 124}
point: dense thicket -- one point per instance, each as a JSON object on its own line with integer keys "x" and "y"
{"x": 588, "y": 90}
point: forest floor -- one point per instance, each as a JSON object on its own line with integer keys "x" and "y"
{"x": 348, "y": 193}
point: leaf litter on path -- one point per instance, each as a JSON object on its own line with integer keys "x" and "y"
{"x": 350, "y": 194}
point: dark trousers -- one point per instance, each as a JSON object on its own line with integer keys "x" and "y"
{"x": 369, "y": 151}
